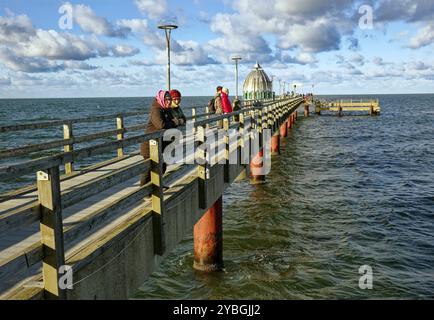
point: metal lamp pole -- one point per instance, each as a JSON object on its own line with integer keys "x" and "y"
{"x": 236, "y": 59}
{"x": 168, "y": 30}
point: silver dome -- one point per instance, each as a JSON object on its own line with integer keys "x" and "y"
{"x": 257, "y": 84}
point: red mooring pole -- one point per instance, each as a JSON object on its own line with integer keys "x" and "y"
{"x": 306, "y": 110}
{"x": 284, "y": 130}
{"x": 208, "y": 239}
{"x": 289, "y": 122}
{"x": 255, "y": 165}
{"x": 275, "y": 145}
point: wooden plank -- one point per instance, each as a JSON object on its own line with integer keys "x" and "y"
{"x": 82, "y": 225}
{"x": 10, "y": 153}
{"x": 11, "y": 171}
{"x": 25, "y": 190}
{"x": 30, "y": 213}
{"x": 120, "y": 136}
{"x": 203, "y": 168}
{"x": 51, "y": 231}
{"x": 55, "y": 123}
{"x": 67, "y": 135}
{"x": 156, "y": 154}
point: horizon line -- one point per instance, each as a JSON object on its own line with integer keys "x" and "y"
{"x": 207, "y": 96}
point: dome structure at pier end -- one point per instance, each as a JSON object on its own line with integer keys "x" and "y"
{"x": 257, "y": 84}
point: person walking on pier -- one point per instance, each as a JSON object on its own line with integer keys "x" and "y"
{"x": 176, "y": 107}
{"x": 160, "y": 118}
{"x": 226, "y": 103}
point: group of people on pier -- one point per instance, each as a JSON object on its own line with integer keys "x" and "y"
{"x": 166, "y": 113}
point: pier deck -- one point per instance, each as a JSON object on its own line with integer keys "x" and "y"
{"x": 112, "y": 231}
{"x": 372, "y": 106}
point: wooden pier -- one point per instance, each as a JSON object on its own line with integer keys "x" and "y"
{"x": 372, "y": 106}
{"x": 99, "y": 221}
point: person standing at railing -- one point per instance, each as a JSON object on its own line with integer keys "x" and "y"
{"x": 237, "y": 107}
{"x": 176, "y": 107}
{"x": 226, "y": 103}
{"x": 160, "y": 118}
{"x": 215, "y": 105}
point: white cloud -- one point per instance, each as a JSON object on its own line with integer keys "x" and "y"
{"x": 191, "y": 53}
{"x": 14, "y": 29}
{"x": 424, "y": 37}
{"x": 5, "y": 81}
{"x": 154, "y": 9}
{"x": 25, "y": 48}
{"x": 319, "y": 36}
{"x": 124, "y": 51}
{"x": 53, "y": 45}
{"x": 135, "y": 25}
{"x": 90, "y": 22}
{"x": 302, "y": 58}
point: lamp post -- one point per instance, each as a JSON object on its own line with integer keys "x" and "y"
{"x": 280, "y": 87}
{"x": 272, "y": 86}
{"x": 236, "y": 59}
{"x": 295, "y": 88}
{"x": 168, "y": 30}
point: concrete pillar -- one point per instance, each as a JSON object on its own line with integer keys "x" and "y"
{"x": 208, "y": 239}
{"x": 275, "y": 145}
{"x": 296, "y": 116}
{"x": 306, "y": 110}
{"x": 340, "y": 111}
{"x": 289, "y": 122}
{"x": 255, "y": 165}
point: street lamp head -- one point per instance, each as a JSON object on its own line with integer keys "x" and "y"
{"x": 237, "y": 58}
{"x": 168, "y": 26}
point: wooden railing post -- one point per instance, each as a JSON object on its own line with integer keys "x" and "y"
{"x": 227, "y": 151}
{"x": 203, "y": 168}
{"x": 156, "y": 155}
{"x": 193, "y": 115}
{"x": 270, "y": 118}
{"x": 120, "y": 135}
{"x": 51, "y": 224}
{"x": 243, "y": 148}
{"x": 67, "y": 135}
{"x": 207, "y": 116}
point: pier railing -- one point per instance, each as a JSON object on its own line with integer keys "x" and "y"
{"x": 51, "y": 200}
{"x": 351, "y": 105}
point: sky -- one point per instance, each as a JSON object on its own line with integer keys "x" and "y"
{"x": 113, "y": 48}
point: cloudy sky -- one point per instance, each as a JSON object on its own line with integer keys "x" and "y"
{"x": 96, "y": 48}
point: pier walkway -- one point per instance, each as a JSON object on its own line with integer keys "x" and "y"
{"x": 349, "y": 105}
{"x": 100, "y": 222}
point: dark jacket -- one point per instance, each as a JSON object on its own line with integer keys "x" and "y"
{"x": 218, "y": 104}
{"x": 159, "y": 119}
{"x": 178, "y": 114}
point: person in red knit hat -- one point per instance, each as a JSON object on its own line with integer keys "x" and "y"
{"x": 226, "y": 103}
{"x": 176, "y": 107}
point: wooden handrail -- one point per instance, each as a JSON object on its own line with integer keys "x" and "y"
{"x": 17, "y": 170}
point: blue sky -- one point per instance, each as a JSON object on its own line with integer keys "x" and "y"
{"x": 115, "y": 49}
